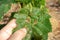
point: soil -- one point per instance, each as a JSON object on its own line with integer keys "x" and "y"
{"x": 54, "y": 10}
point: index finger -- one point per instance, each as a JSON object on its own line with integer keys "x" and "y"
{"x": 7, "y": 30}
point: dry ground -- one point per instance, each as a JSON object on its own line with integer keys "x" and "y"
{"x": 54, "y": 10}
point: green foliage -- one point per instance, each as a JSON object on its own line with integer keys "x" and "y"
{"x": 5, "y": 5}
{"x": 3, "y": 9}
{"x": 37, "y": 21}
{"x": 6, "y": 1}
{"x": 34, "y": 17}
{"x": 35, "y": 3}
{"x": 23, "y": 1}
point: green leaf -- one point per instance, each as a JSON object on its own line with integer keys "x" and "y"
{"x": 3, "y": 9}
{"x": 21, "y": 17}
{"x": 24, "y": 1}
{"x": 6, "y": 1}
{"x": 38, "y": 3}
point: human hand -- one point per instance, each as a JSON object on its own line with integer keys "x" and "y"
{"x": 6, "y": 32}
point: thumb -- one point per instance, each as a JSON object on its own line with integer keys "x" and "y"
{"x": 19, "y": 35}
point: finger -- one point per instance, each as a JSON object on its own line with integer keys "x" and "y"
{"x": 7, "y": 30}
{"x": 19, "y": 35}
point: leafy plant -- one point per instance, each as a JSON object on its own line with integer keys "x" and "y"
{"x": 32, "y": 15}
